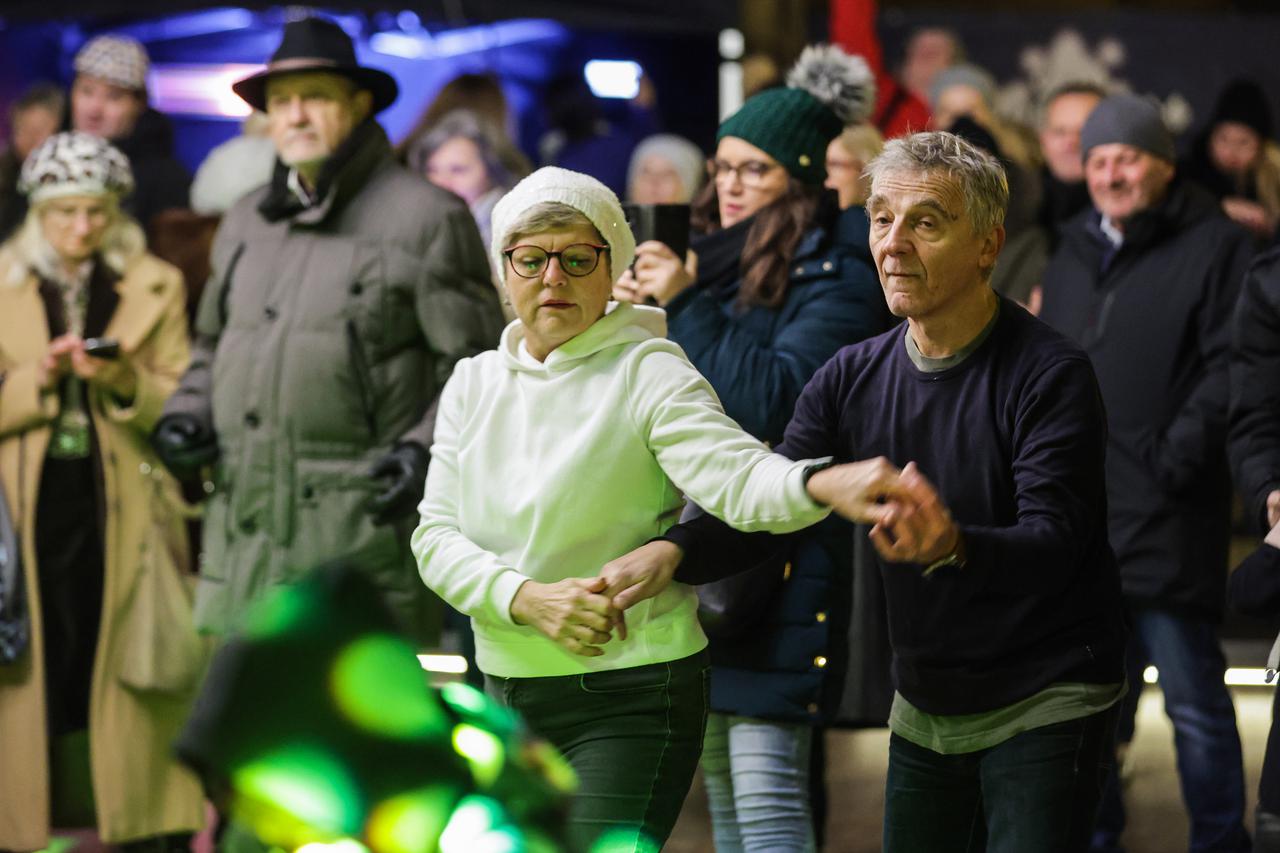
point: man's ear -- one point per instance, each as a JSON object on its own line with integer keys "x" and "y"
{"x": 991, "y": 246}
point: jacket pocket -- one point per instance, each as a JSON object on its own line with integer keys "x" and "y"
{"x": 633, "y": 679}
{"x": 363, "y": 379}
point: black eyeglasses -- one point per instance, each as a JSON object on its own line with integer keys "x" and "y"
{"x": 577, "y": 260}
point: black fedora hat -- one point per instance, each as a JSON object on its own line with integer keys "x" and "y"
{"x": 317, "y": 44}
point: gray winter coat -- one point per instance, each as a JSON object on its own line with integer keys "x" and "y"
{"x": 323, "y": 339}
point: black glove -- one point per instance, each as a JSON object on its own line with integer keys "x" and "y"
{"x": 405, "y": 471}
{"x": 184, "y": 444}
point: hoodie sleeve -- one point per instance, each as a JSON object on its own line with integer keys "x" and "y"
{"x": 718, "y": 466}
{"x": 471, "y": 579}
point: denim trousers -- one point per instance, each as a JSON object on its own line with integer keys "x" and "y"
{"x": 632, "y": 735}
{"x": 1036, "y": 792}
{"x": 1210, "y": 767}
{"x": 757, "y": 778}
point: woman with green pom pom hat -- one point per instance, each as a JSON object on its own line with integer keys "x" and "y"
{"x": 768, "y": 295}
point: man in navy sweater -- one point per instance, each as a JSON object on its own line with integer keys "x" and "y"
{"x": 983, "y": 436}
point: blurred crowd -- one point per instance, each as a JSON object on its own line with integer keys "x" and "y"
{"x": 939, "y": 414}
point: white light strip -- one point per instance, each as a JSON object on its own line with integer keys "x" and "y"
{"x": 1235, "y": 676}
{"x": 453, "y": 664}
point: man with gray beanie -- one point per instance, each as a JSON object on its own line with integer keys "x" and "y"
{"x": 1145, "y": 280}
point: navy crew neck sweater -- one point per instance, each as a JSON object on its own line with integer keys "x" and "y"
{"x": 1014, "y": 440}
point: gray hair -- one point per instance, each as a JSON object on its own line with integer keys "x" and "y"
{"x": 979, "y": 176}
{"x": 466, "y": 125}
{"x": 548, "y": 216}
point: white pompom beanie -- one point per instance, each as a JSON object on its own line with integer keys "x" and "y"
{"x": 581, "y": 192}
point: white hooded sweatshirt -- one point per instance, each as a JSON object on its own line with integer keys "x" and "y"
{"x": 548, "y": 470}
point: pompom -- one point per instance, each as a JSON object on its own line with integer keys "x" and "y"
{"x": 842, "y": 82}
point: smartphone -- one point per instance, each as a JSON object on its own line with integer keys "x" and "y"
{"x": 666, "y": 223}
{"x": 107, "y": 348}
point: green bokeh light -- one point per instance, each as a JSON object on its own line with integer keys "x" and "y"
{"x": 306, "y": 784}
{"x": 411, "y": 822}
{"x": 480, "y": 825}
{"x": 377, "y": 682}
{"x": 483, "y": 751}
{"x": 625, "y": 840}
{"x": 277, "y": 612}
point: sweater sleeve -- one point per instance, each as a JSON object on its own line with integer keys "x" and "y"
{"x": 1058, "y": 454}
{"x": 1254, "y": 588}
{"x": 1197, "y": 433}
{"x": 472, "y": 580}
{"x": 758, "y": 380}
{"x": 708, "y": 456}
{"x": 1254, "y": 434}
{"x": 714, "y": 550}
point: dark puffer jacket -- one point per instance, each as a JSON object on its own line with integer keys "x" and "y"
{"x": 758, "y": 360}
{"x": 1255, "y": 387}
{"x": 1155, "y": 321}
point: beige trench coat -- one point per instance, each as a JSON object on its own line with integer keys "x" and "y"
{"x": 149, "y": 661}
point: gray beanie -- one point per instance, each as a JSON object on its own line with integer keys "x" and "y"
{"x": 964, "y": 74}
{"x": 1128, "y": 120}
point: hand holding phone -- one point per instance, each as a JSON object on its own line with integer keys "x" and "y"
{"x": 104, "y": 348}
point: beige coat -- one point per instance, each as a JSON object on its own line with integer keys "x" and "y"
{"x": 148, "y": 661}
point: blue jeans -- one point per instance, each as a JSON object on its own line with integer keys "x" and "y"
{"x": 1038, "y": 791}
{"x": 757, "y": 777}
{"x": 1210, "y": 768}
{"x": 633, "y": 737}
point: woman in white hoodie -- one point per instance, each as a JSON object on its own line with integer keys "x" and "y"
{"x": 573, "y": 444}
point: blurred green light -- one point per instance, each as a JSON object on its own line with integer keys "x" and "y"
{"x": 342, "y": 845}
{"x": 466, "y": 697}
{"x": 480, "y": 825}
{"x": 411, "y": 822}
{"x": 631, "y": 839}
{"x": 483, "y": 751}
{"x": 377, "y": 683}
{"x": 304, "y": 782}
{"x": 278, "y": 611}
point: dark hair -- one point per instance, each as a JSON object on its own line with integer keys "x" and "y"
{"x": 48, "y": 96}
{"x": 771, "y": 238}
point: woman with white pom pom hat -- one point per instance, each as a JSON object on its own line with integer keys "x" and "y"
{"x": 767, "y": 295}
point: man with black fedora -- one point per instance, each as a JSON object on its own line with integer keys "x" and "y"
{"x": 342, "y": 294}
{"x": 1145, "y": 279}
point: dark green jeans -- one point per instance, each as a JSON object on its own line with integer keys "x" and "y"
{"x": 632, "y": 735}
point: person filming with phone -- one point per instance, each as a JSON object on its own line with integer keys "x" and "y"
{"x": 93, "y": 339}
{"x": 766, "y": 296}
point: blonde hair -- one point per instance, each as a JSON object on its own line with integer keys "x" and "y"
{"x": 27, "y": 251}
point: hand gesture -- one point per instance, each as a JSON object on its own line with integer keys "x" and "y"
{"x": 115, "y": 375}
{"x": 639, "y": 574}
{"x": 573, "y": 612}
{"x": 57, "y": 360}
{"x": 917, "y": 528}
{"x": 859, "y": 491}
{"x": 660, "y": 274}
{"x": 1273, "y": 508}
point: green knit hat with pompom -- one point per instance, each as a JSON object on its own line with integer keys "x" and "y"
{"x": 826, "y": 90}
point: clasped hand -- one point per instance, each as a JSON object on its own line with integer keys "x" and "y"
{"x": 909, "y": 522}
{"x": 66, "y": 355}
{"x": 580, "y": 614}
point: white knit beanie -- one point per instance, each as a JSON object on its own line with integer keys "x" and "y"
{"x": 581, "y": 192}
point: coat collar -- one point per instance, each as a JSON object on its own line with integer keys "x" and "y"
{"x": 140, "y": 297}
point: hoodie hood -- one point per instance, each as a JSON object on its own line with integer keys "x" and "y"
{"x": 622, "y": 323}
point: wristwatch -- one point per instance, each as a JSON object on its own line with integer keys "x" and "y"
{"x": 955, "y": 558}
